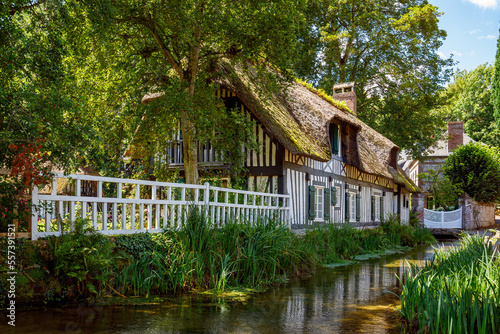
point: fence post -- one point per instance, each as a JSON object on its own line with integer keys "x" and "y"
{"x": 442, "y": 219}
{"x": 34, "y": 213}
{"x": 206, "y": 197}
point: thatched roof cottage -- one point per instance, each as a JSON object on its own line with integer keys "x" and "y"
{"x": 313, "y": 147}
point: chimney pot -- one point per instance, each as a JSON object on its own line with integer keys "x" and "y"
{"x": 346, "y": 92}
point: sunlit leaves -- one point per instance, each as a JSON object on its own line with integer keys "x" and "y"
{"x": 469, "y": 99}
{"x": 389, "y": 49}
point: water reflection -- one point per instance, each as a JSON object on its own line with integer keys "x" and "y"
{"x": 347, "y": 299}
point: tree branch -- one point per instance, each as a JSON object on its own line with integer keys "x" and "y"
{"x": 15, "y": 9}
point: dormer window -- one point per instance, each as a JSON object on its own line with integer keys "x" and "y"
{"x": 344, "y": 142}
{"x": 334, "y": 138}
{"x": 393, "y": 158}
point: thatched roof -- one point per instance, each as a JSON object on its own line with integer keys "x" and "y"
{"x": 300, "y": 117}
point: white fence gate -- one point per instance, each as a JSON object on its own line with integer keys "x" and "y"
{"x": 121, "y": 206}
{"x": 443, "y": 219}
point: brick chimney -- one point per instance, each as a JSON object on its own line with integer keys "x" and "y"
{"x": 456, "y": 135}
{"x": 346, "y": 92}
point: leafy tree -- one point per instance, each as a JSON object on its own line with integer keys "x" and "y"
{"x": 45, "y": 117}
{"x": 438, "y": 185}
{"x": 496, "y": 86}
{"x": 469, "y": 98}
{"x": 176, "y": 46}
{"x": 389, "y": 49}
{"x": 474, "y": 169}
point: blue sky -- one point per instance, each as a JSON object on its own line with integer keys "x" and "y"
{"x": 472, "y": 27}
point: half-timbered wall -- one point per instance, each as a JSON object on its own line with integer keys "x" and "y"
{"x": 296, "y": 185}
{"x": 302, "y": 172}
{"x": 269, "y": 152}
{"x": 266, "y": 184}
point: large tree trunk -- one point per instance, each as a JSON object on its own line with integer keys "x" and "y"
{"x": 187, "y": 127}
{"x": 190, "y": 151}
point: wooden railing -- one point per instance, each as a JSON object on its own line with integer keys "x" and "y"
{"x": 122, "y": 206}
{"x": 207, "y": 154}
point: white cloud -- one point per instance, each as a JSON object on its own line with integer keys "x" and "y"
{"x": 440, "y": 54}
{"x": 484, "y": 3}
{"x": 456, "y": 53}
{"x": 487, "y": 37}
{"x": 473, "y": 53}
{"x": 475, "y": 31}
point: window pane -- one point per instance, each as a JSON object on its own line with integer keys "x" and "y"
{"x": 319, "y": 203}
{"x": 353, "y": 207}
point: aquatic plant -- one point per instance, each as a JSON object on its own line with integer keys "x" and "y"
{"x": 457, "y": 292}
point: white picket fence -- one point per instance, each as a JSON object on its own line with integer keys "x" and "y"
{"x": 443, "y": 219}
{"x": 123, "y": 206}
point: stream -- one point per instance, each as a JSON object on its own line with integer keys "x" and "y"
{"x": 357, "y": 298}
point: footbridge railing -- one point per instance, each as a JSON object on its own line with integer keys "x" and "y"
{"x": 122, "y": 206}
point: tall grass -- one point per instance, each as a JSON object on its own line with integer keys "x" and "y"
{"x": 336, "y": 242}
{"x": 203, "y": 256}
{"x": 457, "y": 292}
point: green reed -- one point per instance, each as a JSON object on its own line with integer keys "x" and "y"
{"x": 457, "y": 292}
{"x": 206, "y": 256}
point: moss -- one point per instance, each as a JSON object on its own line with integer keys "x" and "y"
{"x": 401, "y": 178}
{"x": 321, "y": 93}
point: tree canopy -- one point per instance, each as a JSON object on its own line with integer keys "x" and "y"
{"x": 176, "y": 46}
{"x": 389, "y": 49}
{"x": 469, "y": 99}
{"x": 73, "y": 73}
{"x": 495, "y": 98}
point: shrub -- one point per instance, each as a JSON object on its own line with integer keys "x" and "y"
{"x": 474, "y": 169}
{"x": 82, "y": 260}
{"x": 12, "y": 205}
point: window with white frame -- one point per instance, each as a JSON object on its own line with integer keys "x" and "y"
{"x": 319, "y": 201}
{"x": 377, "y": 208}
{"x": 352, "y": 207}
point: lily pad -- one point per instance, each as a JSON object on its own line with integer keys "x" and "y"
{"x": 337, "y": 264}
{"x": 366, "y": 257}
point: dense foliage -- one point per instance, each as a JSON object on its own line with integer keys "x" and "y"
{"x": 475, "y": 170}
{"x": 74, "y": 72}
{"x": 445, "y": 194}
{"x": 469, "y": 99}
{"x": 456, "y": 292}
{"x": 389, "y": 49}
{"x": 42, "y": 114}
{"x": 14, "y": 206}
{"x": 496, "y": 86}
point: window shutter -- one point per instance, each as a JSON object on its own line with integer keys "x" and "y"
{"x": 358, "y": 207}
{"x": 347, "y": 212}
{"x": 381, "y": 208}
{"x": 312, "y": 206}
{"x": 334, "y": 196}
{"x": 335, "y": 139}
{"x": 327, "y": 203}
{"x": 373, "y": 208}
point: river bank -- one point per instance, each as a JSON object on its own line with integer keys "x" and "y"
{"x": 87, "y": 266}
{"x": 357, "y": 298}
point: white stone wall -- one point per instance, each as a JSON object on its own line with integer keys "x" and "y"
{"x": 476, "y": 215}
